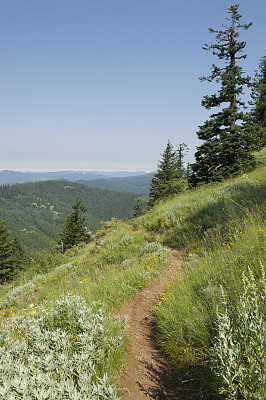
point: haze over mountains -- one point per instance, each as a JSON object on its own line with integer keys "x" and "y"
{"x": 10, "y": 177}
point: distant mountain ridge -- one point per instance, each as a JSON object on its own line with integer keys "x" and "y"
{"x": 134, "y": 184}
{"x": 12, "y": 177}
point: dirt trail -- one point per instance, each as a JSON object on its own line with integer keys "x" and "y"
{"x": 148, "y": 374}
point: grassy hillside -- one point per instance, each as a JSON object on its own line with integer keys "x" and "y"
{"x": 135, "y": 184}
{"x": 211, "y": 320}
{"x": 70, "y": 341}
{"x": 38, "y": 210}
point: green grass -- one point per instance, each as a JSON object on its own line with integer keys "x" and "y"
{"x": 187, "y": 318}
{"x": 123, "y": 264}
{"x": 105, "y": 276}
{"x": 185, "y": 220}
{"x": 222, "y": 227}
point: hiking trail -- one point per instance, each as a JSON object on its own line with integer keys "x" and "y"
{"x": 148, "y": 374}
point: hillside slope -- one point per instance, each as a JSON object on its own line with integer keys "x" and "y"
{"x": 221, "y": 227}
{"x": 38, "y": 210}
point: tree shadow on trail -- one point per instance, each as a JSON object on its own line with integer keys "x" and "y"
{"x": 168, "y": 383}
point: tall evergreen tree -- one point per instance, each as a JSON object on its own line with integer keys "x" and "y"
{"x": 226, "y": 150}
{"x": 180, "y": 162}
{"x": 258, "y": 113}
{"x": 74, "y": 230}
{"x": 139, "y": 206}
{"x": 12, "y": 256}
{"x": 6, "y": 262}
{"x": 20, "y": 256}
{"x": 168, "y": 178}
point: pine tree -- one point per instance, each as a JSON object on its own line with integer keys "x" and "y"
{"x": 168, "y": 178}
{"x": 226, "y": 150}
{"x": 74, "y": 230}
{"x": 10, "y": 260}
{"x": 6, "y": 262}
{"x": 258, "y": 113}
{"x": 19, "y": 255}
{"x": 139, "y": 206}
{"x": 180, "y": 163}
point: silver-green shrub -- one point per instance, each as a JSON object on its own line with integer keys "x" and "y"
{"x": 15, "y": 294}
{"x": 58, "y": 353}
{"x": 21, "y": 291}
{"x": 155, "y": 249}
{"x": 239, "y": 353}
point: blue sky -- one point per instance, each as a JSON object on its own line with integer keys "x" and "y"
{"x": 104, "y": 84}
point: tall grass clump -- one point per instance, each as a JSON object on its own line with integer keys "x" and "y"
{"x": 66, "y": 351}
{"x": 186, "y": 314}
{"x": 239, "y": 352}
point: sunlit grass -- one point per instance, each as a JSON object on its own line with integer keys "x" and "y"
{"x": 222, "y": 228}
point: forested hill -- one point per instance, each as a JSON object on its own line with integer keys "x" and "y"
{"x": 136, "y": 184}
{"x": 38, "y": 210}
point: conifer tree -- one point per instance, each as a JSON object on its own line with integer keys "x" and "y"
{"x": 226, "y": 150}
{"x": 6, "y": 262}
{"x": 20, "y": 256}
{"x": 180, "y": 163}
{"x": 12, "y": 256}
{"x": 74, "y": 230}
{"x": 258, "y": 113}
{"x": 168, "y": 178}
{"x": 139, "y": 206}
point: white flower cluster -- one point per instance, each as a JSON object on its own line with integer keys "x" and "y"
{"x": 58, "y": 353}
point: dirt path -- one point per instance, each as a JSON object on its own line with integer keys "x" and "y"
{"x": 148, "y": 374}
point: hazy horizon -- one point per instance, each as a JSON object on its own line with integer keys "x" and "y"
{"x": 74, "y": 170}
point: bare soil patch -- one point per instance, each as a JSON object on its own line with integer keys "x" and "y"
{"x": 149, "y": 374}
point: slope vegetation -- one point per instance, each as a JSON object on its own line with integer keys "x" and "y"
{"x": 221, "y": 228}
